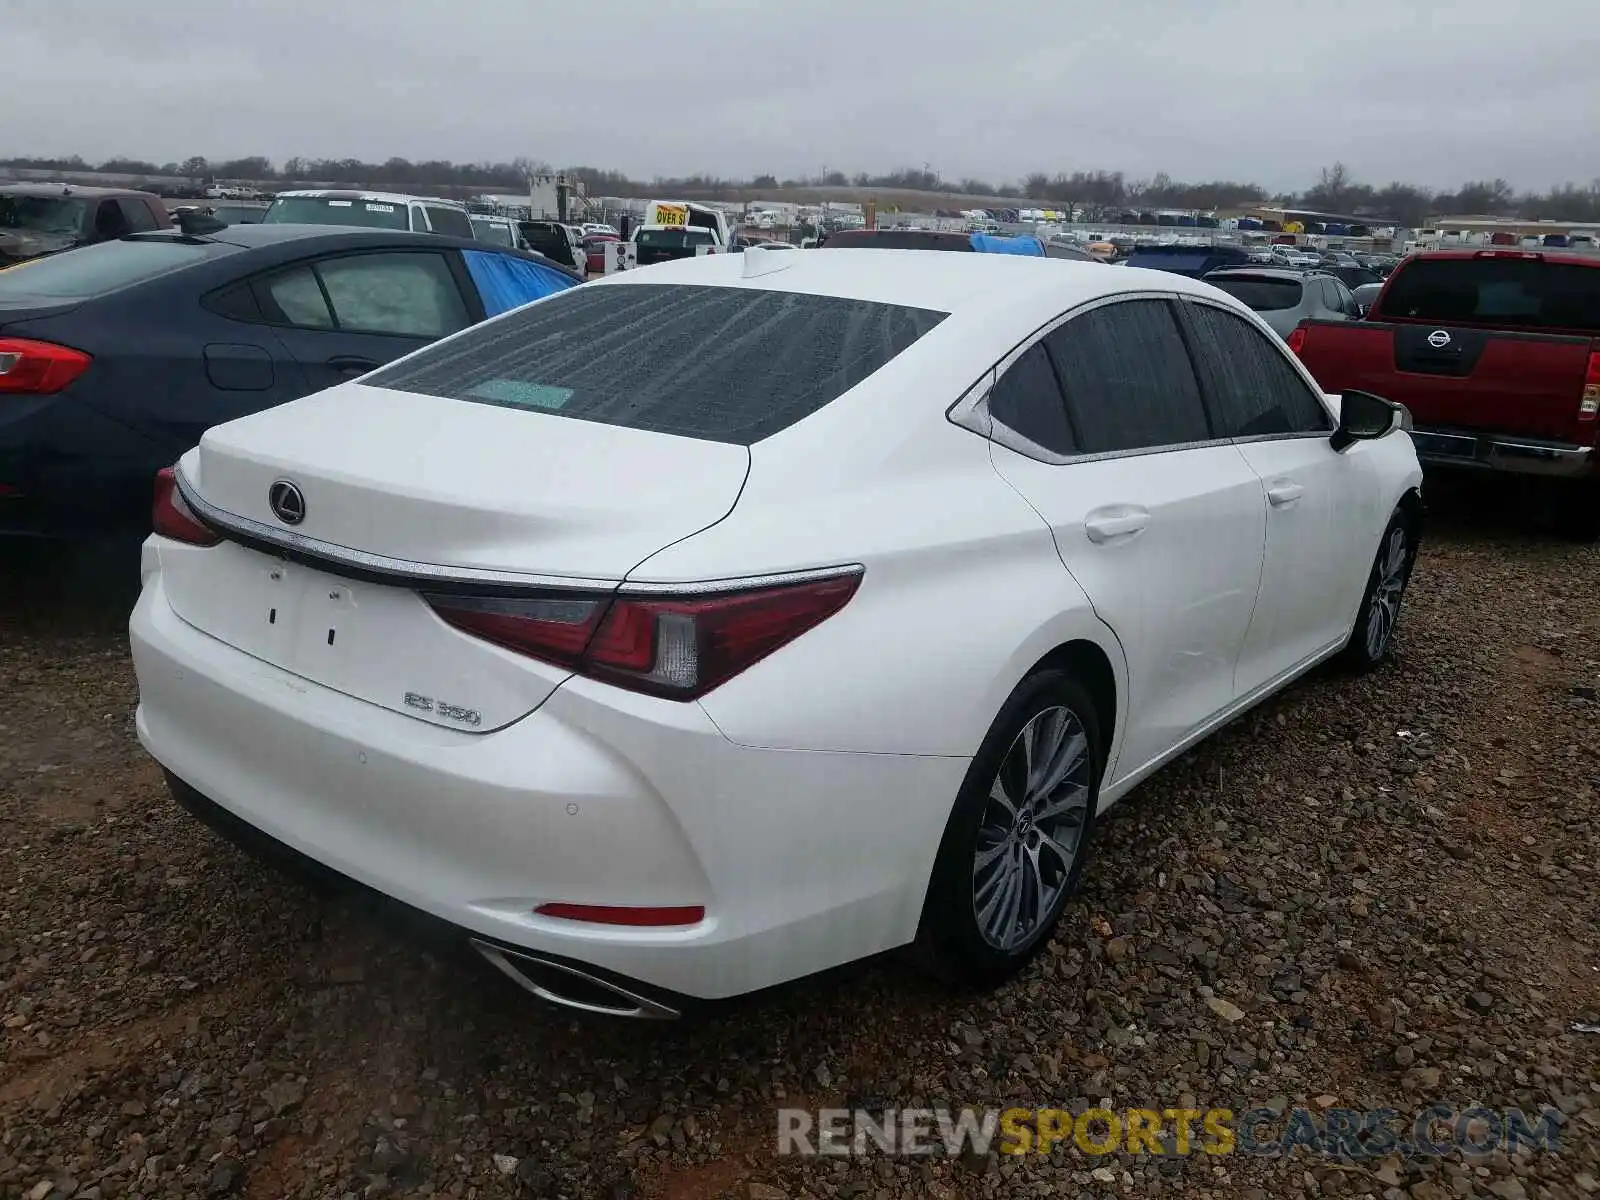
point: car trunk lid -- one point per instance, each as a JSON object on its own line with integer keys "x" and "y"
{"x": 403, "y": 494}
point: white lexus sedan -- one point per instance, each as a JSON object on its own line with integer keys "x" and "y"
{"x": 724, "y": 621}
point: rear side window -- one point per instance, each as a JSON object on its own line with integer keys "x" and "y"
{"x": 1027, "y": 398}
{"x": 138, "y": 215}
{"x": 1129, "y": 382}
{"x": 721, "y": 364}
{"x": 450, "y": 221}
{"x": 1253, "y": 390}
{"x": 408, "y": 294}
{"x": 91, "y": 271}
{"x": 1510, "y": 292}
{"x": 1262, "y": 295}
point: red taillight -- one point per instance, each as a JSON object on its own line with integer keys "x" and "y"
{"x": 172, "y": 518}
{"x": 1297, "y": 338}
{"x": 606, "y": 914}
{"x": 30, "y": 368}
{"x": 674, "y": 646}
{"x": 1590, "y": 404}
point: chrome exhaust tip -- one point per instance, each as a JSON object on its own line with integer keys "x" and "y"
{"x": 570, "y": 987}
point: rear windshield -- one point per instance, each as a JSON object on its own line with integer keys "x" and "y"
{"x": 95, "y": 270}
{"x": 673, "y": 239}
{"x": 1354, "y": 277}
{"x": 1518, "y": 293}
{"x": 321, "y": 210}
{"x": 898, "y": 239}
{"x": 493, "y": 232}
{"x": 41, "y": 214}
{"x": 1263, "y": 295}
{"x": 720, "y": 364}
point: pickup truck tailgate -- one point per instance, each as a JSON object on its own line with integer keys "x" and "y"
{"x": 1458, "y": 377}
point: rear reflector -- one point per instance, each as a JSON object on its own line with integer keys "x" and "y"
{"x": 1296, "y": 338}
{"x": 605, "y": 914}
{"x": 172, "y": 518}
{"x": 678, "y": 646}
{"x": 1590, "y": 404}
{"x": 29, "y": 368}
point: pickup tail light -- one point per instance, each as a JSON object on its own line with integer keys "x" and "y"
{"x": 1296, "y": 338}
{"x": 675, "y": 645}
{"x": 30, "y": 368}
{"x": 1590, "y": 404}
{"x": 172, "y": 518}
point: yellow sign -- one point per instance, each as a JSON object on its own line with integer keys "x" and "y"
{"x": 672, "y": 214}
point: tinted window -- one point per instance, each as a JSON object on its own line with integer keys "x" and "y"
{"x": 138, "y": 215}
{"x": 673, "y": 239}
{"x": 1262, "y": 295}
{"x": 323, "y": 210}
{"x": 110, "y": 221}
{"x": 414, "y": 295}
{"x": 723, "y": 364}
{"x": 1519, "y": 293}
{"x": 450, "y": 221}
{"x": 1129, "y": 381}
{"x": 1251, "y": 385}
{"x": 1028, "y": 399}
{"x": 95, "y": 270}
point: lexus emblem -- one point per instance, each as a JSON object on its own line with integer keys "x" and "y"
{"x": 287, "y": 502}
{"x": 1439, "y": 339}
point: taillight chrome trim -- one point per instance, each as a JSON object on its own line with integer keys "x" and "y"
{"x": 741, "y": 583}
{"x": 452, "y": 580}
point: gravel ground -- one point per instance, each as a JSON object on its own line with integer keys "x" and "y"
{"x": 1375, "y": 892}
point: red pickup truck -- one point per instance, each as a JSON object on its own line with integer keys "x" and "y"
{"x": 1496, "y": 353}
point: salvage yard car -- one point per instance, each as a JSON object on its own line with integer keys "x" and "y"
{"x": 371, "y": 210}
{"x": 44, "y": 218}
{"x": 711, "y": 625}
{"x": 1497, "y": 355}
{"x": 1284, "y": 298}
{"x": 115, "y": 358}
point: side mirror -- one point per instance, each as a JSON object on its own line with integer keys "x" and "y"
{"x": 1364, "y": 417}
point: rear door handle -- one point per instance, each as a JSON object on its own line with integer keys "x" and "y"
{"x": 1115, "y": 521}
{"x": 352, "y": 364}
{"x": 1284, "y": 491}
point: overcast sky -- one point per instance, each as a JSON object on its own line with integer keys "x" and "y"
{"x": 1433, "y": 93}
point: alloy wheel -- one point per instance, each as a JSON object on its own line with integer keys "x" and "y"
{"x": 1031, "y": 829}
{"x": 1384, "y": 611}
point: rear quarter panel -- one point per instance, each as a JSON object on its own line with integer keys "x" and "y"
{"x": 963, "y": 593}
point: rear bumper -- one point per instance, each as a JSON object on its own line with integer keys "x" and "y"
{"x": 801, "y": 860}
{"x": 1503, "y": 452}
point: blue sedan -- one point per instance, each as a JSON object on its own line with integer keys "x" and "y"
{"x": 115, "y": 358}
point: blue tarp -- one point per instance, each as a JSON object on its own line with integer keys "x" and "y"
{"x": 989, "y": 243}
{"x": 506, "y": 282}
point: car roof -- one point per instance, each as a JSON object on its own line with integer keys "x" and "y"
{"x": 318, "y": 238}
{"x": 979, "y": 284}
{"x": 380, "y": 197}
{"x": 67, "y": 191}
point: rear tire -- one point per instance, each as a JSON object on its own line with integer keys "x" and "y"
{"x": 1018, "y": 837}
{"x": 1373, "y": 635}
